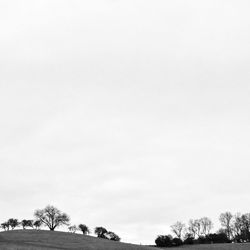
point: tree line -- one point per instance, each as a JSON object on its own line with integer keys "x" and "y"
{"x": 234, "y": 228}
{"x": 52, "y": 218}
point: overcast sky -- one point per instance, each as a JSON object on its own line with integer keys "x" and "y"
{"x": 125, "y": 114}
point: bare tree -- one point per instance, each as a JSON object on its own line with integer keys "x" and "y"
{"x": 226, "y": 222}
{"x": 236, "y": 225}
{"x": 178, "y": 228}
{"x": 73, "y": 228}
{"x": 206, "y": 225}
{"x": 52, "y": 217}
{"x": 194, "y": 228}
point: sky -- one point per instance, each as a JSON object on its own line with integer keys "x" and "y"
{"x": 130, "y": 115}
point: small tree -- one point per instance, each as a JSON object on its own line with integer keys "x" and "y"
{"x": 52, "y": 217}
{"x": 27, "y": 223}
{"x": 13, "y": 223}
{"x": 178, "y": 228}
{"x": 73, "y": 228}
{"x": 37, "y": 224}
{"x": 101, "y": 232}
{"x": 84, "y": 229}
{"x": 5, "y": 226}
{"x": 113, "y": 236}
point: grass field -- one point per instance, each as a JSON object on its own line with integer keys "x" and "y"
{"x": 215, "y": 247}
{"x": 42, "y": 240}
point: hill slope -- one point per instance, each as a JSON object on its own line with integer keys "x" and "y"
{"x": 41, "y": 240}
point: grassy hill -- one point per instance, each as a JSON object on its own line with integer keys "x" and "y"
{"x": 41, "y": 240}
{"x": 47, "y": 240}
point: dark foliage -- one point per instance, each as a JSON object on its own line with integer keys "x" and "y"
{"x": 217, "y": 238}
{"x": 27, "y": 223}
{"x": 189, "y": 241}
{"x": 37, "y": 224}
{"x": 113, "y": 236}
{"x": 177, "y": 242}
{"x": 84, "y": 229}
{"x": 101, "y": 232}
{"x": 13, "y": 223}
{"x": 5, "y": 226}
{"x": 163, "y": 241}
{"x": 213, "y": 238}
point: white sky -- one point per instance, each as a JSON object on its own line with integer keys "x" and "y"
{"x": 125, "y": 114}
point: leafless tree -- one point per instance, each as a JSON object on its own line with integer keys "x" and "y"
{"x": 237, "y": 225}
{"x": 226, "y": 222}
{"x": 194, "y": 228}
{"x": 73, "y": 228}
{"x": 178, "y": 228}
{"x": 206, "y": 225}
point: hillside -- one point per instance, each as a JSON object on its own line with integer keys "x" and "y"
{"x": 47, "y": 240}
{"x": 41, "y": 240}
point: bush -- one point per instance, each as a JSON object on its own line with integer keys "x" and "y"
{"x": 202, "y": 240}
{"x": 189, "y": 241}
{"x": 177, "y": 242}
{"x": 163, "y": 241}
{"x": 113, "y": 236}
{"x": 217, "y": 238}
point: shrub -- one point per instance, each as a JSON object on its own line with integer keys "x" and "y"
{"x": 163, "y": 241}
{"x": 189, "y": 241}
{"x": 177, "y": 242}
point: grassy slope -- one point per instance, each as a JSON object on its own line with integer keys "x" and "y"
{"x": 228, "y": 246}
{"x": 41, "y": 240}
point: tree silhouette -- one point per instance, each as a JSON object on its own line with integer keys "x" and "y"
{"x": 163, "y": 241}
{"x": 101, "y": 232}
{"x": 84, "y": 229}
{"x": 178, "y": 228}
{"x": 5, "y": 226}
{"x": 226, "y": 222}
{"x": 26, "y": 223}
{"x": 37, "y": 224}
{"x": 13, "y": 223}
{"x": 206, "y": 225}
{"x": 52, "y": 217}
